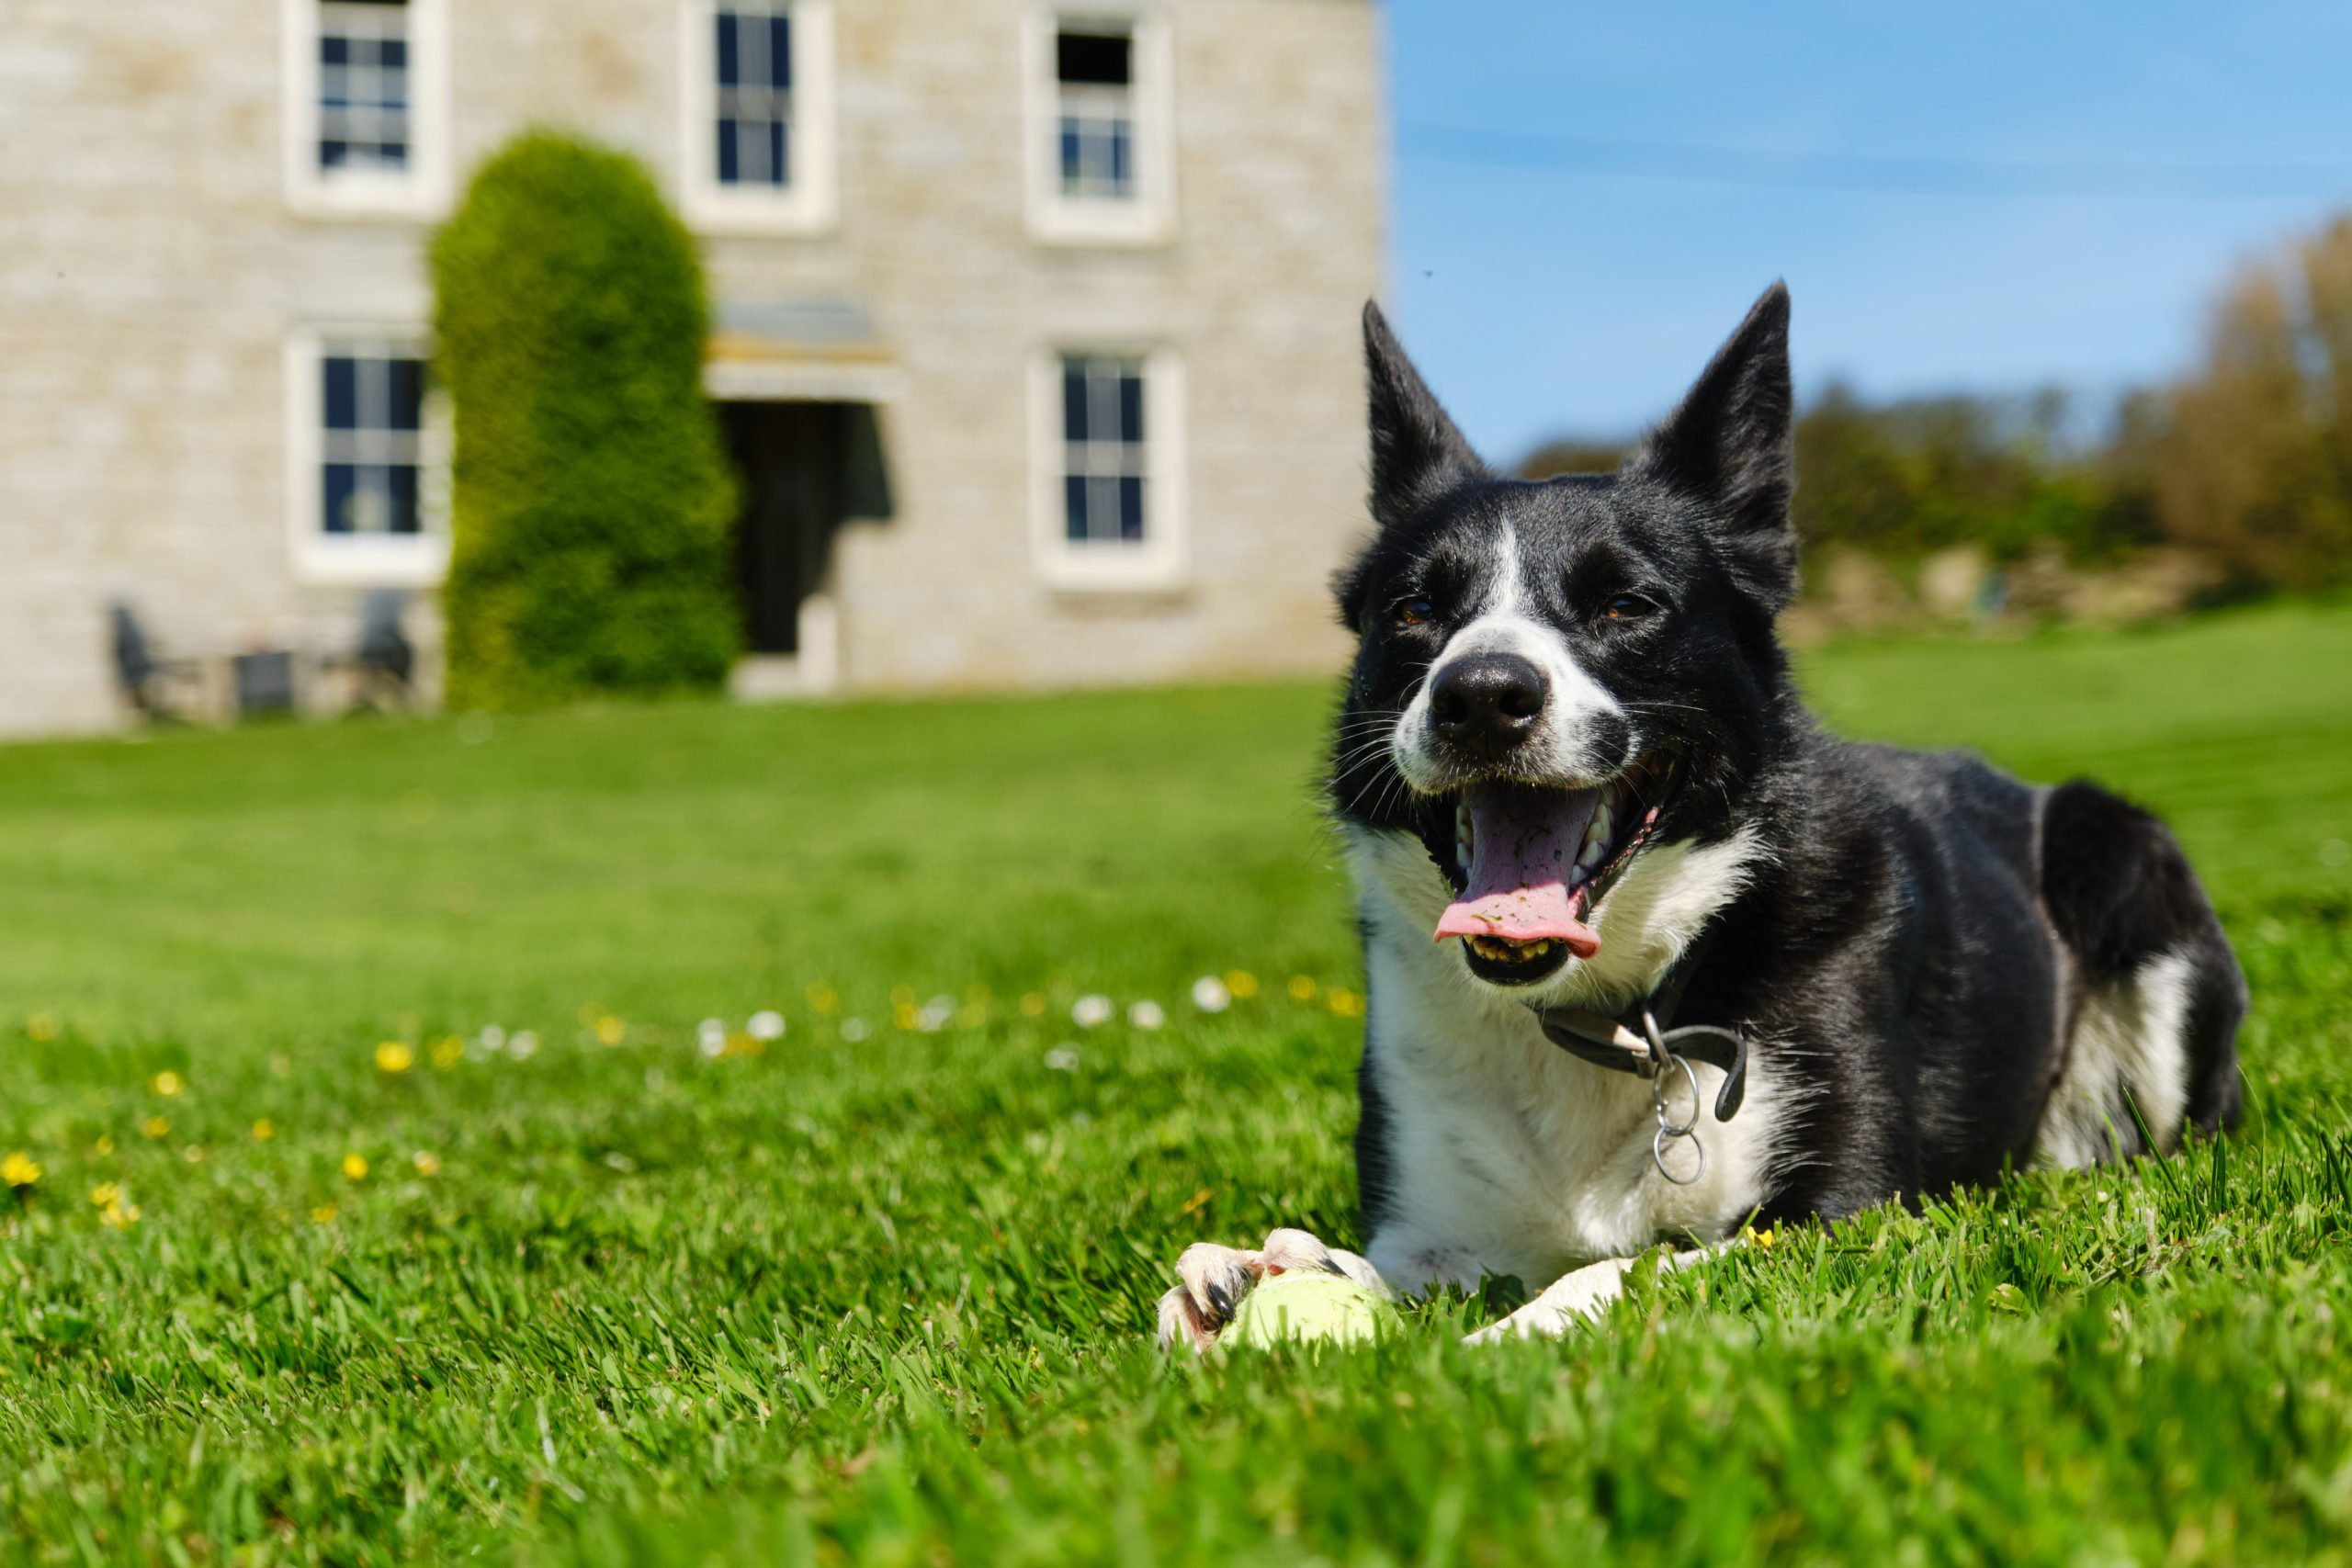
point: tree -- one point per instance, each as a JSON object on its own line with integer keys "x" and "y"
{"x": 593, "y": 505}
{"x": 2257, "y": 470}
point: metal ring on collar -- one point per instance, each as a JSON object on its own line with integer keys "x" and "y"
{"x": 1657, "y": 1156}
{"x": 1665, "y": 1124}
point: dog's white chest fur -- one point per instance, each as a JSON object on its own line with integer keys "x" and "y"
{"x": 1507, "y": 1155}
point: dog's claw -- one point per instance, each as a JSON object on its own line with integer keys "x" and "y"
{"x": 1213, "y": 1279}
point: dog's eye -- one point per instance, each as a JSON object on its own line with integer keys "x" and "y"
{"x": 1416, "y": 611}
{"x": 1629, "y": 607}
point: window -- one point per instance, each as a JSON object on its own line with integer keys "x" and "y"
{"x": 754, "y": 77}
{"x": 1109, "y": 507}
{"x": 364, "y": 90}
{"x": 1095, "y": 95}
{"x": 371, "y": 447}
{"x": 1102, "y": 449}
{"x": 363, "y": 87}
{"x": 758, "y": 97}
{"x": 1101, "y": 164}
{"x": 366, "y": 470}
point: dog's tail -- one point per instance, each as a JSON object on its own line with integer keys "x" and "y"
{"x": 2123, "y": 899}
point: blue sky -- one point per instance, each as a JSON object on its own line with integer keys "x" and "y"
{"x": 1989, "y": 196}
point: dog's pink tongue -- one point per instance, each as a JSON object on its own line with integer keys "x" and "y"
{"x": 1523, "y": 850}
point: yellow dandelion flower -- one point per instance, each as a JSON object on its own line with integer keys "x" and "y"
{"x": 323, "y": 1214}
{"x": 823, "y": 997}
{"x": 1302, "y": 988}
{"x": 427, "y": 1162}
{"x": 19, "y": 1169}
{"x": 610, "y": 1030}
{"x": 447, "y": 1052}
{"x": 1034, "y": 1005}
{"x": 102, "y": 1147}
{"x": 264, "y": 1130}
{"x": 355, "y": 1166}
{"x": 1764, "y": 1239}
{"x": 42, "y": 1027}
{"x": 905, "y": 1017}
{"x": 106, "y": 1194}
{"x": 395, "y": 1056}
{"x": 1346, "y": 1003}
{"x": 167, "y": 1083}
{"x": 1242, "y": 983}
{"x": 156, "y": 1127}
{"x": 121, "y": 1216}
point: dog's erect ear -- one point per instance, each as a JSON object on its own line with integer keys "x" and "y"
{"x": 1415, "y": 450}
{"x": 1731, "y": 445}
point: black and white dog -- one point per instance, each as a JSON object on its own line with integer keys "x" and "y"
{"x": 1661, "y": 898}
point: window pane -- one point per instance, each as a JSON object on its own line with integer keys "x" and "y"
{"x": 729, "y": 69}
{"x": 1131, "y": 408}
{"x": 333, "y": 154}
{"x": 779, "y": 170}
{"x": 730, "y": 169}
{"x": 401, "y": 483}
{"x": 342, "y": 377}
{"x": 1074, "y": 508}
{"x": 1073, "y": 159}
{"x": 1131, "y": 508}
{"x": 1097, "y": 58}
{"x": 394, "y": 155}
{"x": 1101, "y": 509}
{"x": 1073, "y": 400}
{"x": 405, "y": 394}
{"x": 1122, "y": 161}
{"x": 392, "y": 51}
{"x": 342, "y": 482}
{"x": 333, "y": 50}
{"x": 780, "y": 51}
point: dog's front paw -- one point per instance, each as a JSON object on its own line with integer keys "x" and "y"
{"x": 1584, "y": 1295}
{"x": 1214, "y": 1280}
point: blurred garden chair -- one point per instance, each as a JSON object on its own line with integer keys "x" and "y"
{"x": 162, "y": 691}
{"x": 381, "y": 666}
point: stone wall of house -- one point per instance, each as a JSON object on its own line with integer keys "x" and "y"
{"x": 152, "y": 270}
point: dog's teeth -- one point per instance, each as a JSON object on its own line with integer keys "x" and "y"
{"x": 1596, "y": 838}
{"x": 1463, "y": 842}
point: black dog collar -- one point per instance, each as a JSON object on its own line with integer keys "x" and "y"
{"x": 1640, "y": 1041}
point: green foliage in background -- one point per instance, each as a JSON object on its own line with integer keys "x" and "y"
{"x": 1901, "y": 479}
{"x": 879, "y": 1288}
{"x": 593, "y": 503}
{"x": 2244, "y": 462}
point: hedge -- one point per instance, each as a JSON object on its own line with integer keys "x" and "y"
{"x": 593, "y": 504}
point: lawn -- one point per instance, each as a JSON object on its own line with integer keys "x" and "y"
{"x": 394, "y": 1203}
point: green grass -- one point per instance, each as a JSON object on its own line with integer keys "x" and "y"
{"x": 889, "y": 1300}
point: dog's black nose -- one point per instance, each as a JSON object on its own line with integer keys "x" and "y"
{"x": 1486, "y": 703}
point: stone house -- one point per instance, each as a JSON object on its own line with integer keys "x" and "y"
{"x": 1034, "y": 338}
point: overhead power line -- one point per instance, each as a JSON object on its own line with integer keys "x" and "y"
{"x": 1872, "y": 173}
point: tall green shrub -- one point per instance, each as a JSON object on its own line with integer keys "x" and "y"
{"x": 593, "y": 503}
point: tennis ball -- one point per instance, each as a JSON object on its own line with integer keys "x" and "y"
{"x": 1310, "y": 1308}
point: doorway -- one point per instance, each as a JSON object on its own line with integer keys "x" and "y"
{"x": 790, "y": 458}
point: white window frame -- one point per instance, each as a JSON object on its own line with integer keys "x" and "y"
{"x": 809, "y": 203}
{"x": 419, "y": 191}
{"x": 371, "y": 561}
{"x": 1161, "y": 562}
{"x": 1147, "y": 217}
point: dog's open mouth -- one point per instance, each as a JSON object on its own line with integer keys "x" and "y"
{"x": 1527, "y": 863}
